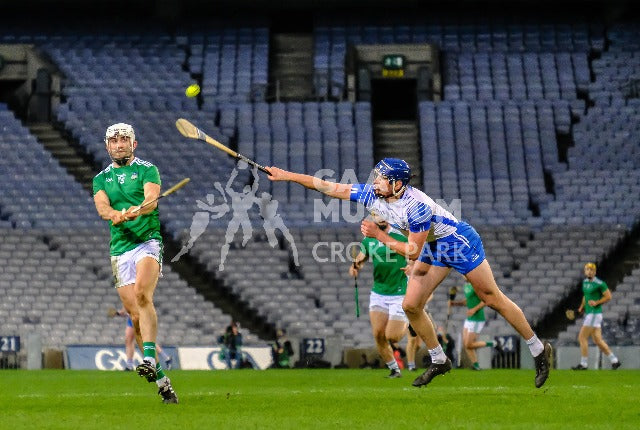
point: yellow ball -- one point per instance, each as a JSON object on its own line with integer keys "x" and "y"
{"x": 192, "y": 90}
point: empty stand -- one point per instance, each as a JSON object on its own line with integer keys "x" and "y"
{"x": 514, "y": 94}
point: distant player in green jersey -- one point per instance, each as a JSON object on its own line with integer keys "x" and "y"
{"x": 473, "y": 324}
{"x": 388, "y": 321}
{"x": 136, "y": 244}
{"x": 596, "y": 293}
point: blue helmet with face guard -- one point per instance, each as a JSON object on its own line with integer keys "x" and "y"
{"x": 394, "y": 169}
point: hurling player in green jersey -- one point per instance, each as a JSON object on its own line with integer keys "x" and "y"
{"x": 388, "y": 321}
{"x": 473, "y": 324}
{"x": 596, "y": 293}
{"x": 136, "y": 244}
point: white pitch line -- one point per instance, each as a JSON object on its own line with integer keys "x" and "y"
{"x": 223, "y": 393}
{"x": 75, "y": 395}
{"x": 118, "y": 394}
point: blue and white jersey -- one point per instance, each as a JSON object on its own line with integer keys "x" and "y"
{"x": 414, "y": 211}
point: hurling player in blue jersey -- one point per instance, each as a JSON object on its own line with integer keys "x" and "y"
{"x": 437, "y": 242}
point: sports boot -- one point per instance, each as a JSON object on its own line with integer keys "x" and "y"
{"x": 394, "y": 374}
{"x": 147, "y": 370}
{"x": 434, "y": 370}
{"x": 167, "y": 393}
{"x": 542, "y": 362}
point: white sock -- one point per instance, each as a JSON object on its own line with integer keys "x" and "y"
{"x": 437, "y": 355}
{"x": 160, "y": 382}
{"x": 535, "y": 346}
{"x": 130, "y": 363}
{"x": 151, "y": 360}
{"x": 393, "y": 365}
{"x": 612, "y": 358}
{"x": 584, "y": 361}
{"x": 411, "y": 365}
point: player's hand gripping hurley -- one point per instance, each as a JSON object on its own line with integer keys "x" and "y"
{"x": 192, "y": 132}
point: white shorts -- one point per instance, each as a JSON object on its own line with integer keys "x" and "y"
{"x": 592, "y": 320}
{"x": 390, "y": 305}
{"x": 474, "y": 326}
{"x": 124, "y": 266}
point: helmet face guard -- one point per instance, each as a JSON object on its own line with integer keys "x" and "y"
{"x": 393, "y": 170}
{"x": 120, "y": 129}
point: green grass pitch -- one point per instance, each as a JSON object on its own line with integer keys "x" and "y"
{"x": 320, "y": 399}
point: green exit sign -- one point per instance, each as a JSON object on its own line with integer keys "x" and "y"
{"x": 393, "y": 62}
{"x": 393, "y": 66}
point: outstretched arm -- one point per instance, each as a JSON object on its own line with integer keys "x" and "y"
{"x": 331, "y": 189}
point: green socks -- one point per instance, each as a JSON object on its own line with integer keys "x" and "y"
{"x": 149, "y": 351}
{"x": 159, "y": 372}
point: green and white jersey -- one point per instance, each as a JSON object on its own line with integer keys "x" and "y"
{"x": 388, "y": 279}
{"x": 593, "y": 290}
{"x": 125, "y": 188}
{"x": 472, "y": 301}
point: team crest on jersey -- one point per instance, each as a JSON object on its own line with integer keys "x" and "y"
{"x": 121, "y": 178}
{"x": 134, "y": 176}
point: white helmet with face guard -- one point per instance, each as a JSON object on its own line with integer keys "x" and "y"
{"x": 120, "y": 129}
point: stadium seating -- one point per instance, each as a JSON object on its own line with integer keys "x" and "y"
{"x": 513, "y": 95}
{"x": 491, "y": 60}
{"x": 38, "y": 193}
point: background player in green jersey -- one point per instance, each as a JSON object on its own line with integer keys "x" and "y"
{"x": 596, "y": 293}
{"x": 473, "y": 324}
{"x": 136, "y": 244}
{"x": 388, "y": 321}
